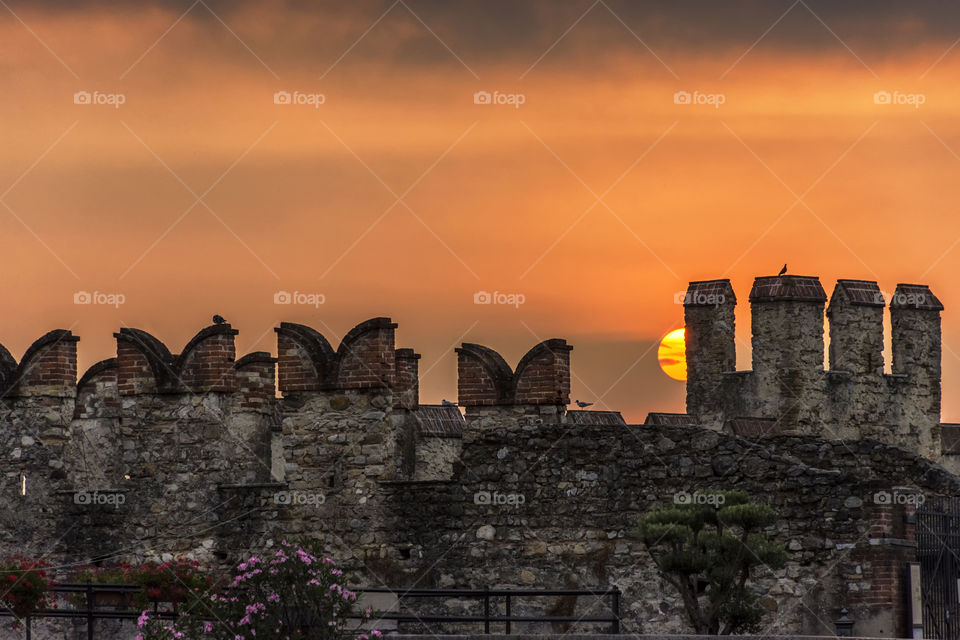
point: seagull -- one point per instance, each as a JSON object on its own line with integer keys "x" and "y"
{"x": 218, "y": 319}
{"x": 447, "y": 403}
{"x": 784, "y": 270}
{"x": 584, "y": 405}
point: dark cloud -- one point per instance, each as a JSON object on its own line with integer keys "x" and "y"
{"x": 507, "y": 29}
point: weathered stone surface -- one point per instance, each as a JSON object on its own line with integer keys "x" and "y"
{"x": 789, "y": 389}
{"x": 135, "y": 462}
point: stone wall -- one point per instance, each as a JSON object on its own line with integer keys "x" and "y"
{"x": 789, "y": 385}
{"x": 569, "y": 496}
{"x": 154, "y": 454}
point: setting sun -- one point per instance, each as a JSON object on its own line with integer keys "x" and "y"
{"x": 672, "y": 355}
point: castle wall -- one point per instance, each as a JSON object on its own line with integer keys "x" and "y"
{"x": 789, "y": 385}
{"x": 557, "y": 506}
{"x": 338, "y": 445}
{"x": 437, "y": 457}
{"x": 201, "y": 459}
{"x": 36, "y": 407}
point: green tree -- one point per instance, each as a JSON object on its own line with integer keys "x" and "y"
{"x": 706, "y": 546}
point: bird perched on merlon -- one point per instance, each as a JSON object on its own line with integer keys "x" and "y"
{"x": 218, "y": 319}
{"x": 784, "y": 270}
{"x": 584, "y": 405}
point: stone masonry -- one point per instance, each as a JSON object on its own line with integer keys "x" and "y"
{"x": 202, "y": 454}
{"x": 790, "y": 387}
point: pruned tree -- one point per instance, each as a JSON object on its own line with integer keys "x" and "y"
{"x": 707, "y": 546}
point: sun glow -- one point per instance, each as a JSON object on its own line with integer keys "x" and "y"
{"x": 672, "y": 355}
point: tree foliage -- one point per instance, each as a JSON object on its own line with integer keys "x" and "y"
{"x": 707, "y": 547}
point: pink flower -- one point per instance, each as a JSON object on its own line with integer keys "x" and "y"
{"x": 143, "y": 619}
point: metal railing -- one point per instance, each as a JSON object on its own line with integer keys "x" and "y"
{"x": 510, "y": 596}
{"x": 91, "y": 613}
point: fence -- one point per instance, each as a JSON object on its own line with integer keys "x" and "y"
{"x": 93, "y": 592}
{"x": 510, "y": 597}
{"x": 938, "y": 545}
{"x": 90, "y": 613}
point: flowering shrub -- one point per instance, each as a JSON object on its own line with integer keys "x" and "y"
{"x": 117, "y": 574}
{"x": 180, "y": 581}
{"x": 154, "y": 629}
{"x": 289, "y": 594}
{"x": 24, "y": 586}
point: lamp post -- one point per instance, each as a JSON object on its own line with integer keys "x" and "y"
{"x": 844, "y": 625}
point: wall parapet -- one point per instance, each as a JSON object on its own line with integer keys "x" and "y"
{"x": 365, "y": 359}
{"x": 542, "y": 376}
{"x": 789, "y": 381}
{"x": 48, "y": 367}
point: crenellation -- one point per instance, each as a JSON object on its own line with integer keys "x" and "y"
{"x": 48, "y": 367}
{"x": 788, "y": 383}
{"x": 708, "y": 311}
{"x": 787, "y": 342}
{"x": 542, "y": 376}
{"x": 915, "y": 328}
{"x": 366, "y": 357}
{"x": 406, "y": 379}
{"x": 499, "y": 493}
{"x": 207, "y": 362}
{"x": 855, "y": 313}
{"x": 144, "y": 364}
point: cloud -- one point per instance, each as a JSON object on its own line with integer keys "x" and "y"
{"x": 515, "y": 199}
{"x": 431, "y": 33}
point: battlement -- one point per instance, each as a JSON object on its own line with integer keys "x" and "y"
{"x": 787, "y": 288}
{"x": 48, "y": 367}
{"x": 145, "y": 364}
{"x": 542, "y": 376}
{"x": 406, "y": 379}
{"x": 364, "y": 360}
{"x": 318, "y": 419}
{"x": 790, "y": 388}
{"x": 215, "y": 456}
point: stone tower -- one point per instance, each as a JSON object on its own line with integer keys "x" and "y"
{"x": 708, "y": 313}
{"x": 789, "y": 390}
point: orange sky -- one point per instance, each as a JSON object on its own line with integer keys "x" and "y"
{"x": 504, "y": 199}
